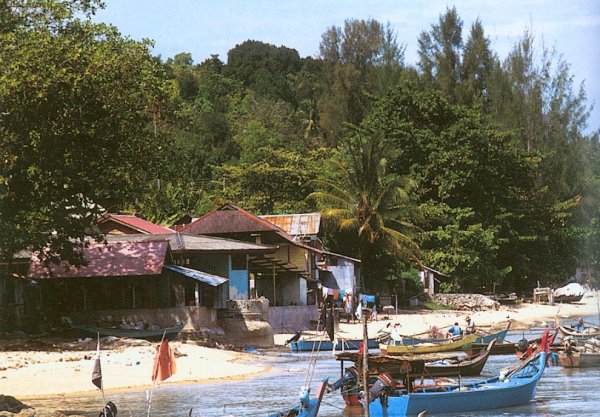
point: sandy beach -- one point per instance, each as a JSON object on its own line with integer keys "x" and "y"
{"x": 28, "y": 374}
{"x": 128, "y": 364}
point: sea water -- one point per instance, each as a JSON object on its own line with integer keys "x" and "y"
{"x": 561, "y": 392}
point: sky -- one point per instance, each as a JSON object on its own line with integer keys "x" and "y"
{"x": 205, "y": 27}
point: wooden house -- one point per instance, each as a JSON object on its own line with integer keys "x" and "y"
{"x": 334, "y": 271}
{"x": 283, "y": 276}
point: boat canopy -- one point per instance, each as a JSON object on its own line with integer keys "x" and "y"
{"x": 204, "y": 277}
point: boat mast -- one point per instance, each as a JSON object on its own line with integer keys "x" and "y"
{"x": 365, "y": 367}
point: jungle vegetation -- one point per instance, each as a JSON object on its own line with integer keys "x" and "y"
{"x": 478, "y": 165}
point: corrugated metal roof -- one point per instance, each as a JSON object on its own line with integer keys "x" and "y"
{"x": 296, "y": 224}
{"x": 112, "y": 260}
{"x": 232, "y": 219}
{"x": 184, "y": 242}
{"x": 228, "y": 219}
{"x": 204, "y": 277}
{"x": 136, "y": 223}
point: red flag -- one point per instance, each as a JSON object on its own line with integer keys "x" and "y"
{"x": 164, "y": 362}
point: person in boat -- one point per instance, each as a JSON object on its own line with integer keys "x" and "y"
{"x": 580, "y": 326}
{"x": 454, "y": 331}
{"x": 470, "y": 329}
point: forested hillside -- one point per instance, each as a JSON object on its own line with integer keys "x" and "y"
{"x": 478, "y": 165}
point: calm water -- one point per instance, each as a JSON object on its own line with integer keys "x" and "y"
{"x": 561, "y": 392}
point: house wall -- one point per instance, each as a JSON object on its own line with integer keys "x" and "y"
{"x": 292, "y": 290}
{"x": 344, "y": 273}
{"x": 290, "y": 319}
{"x": 194, "y": 317}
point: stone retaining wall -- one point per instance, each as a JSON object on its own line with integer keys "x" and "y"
{"x": 471, "y": 302}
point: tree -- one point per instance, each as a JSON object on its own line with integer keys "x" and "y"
{"x": 78, "y": 101}
{"x": 264, "y": 68}
{"x": 360, "y": 58}
{"x": 367, "y": 202}
{"x": 478, "y": 67}
{"x": 440, "y": 53}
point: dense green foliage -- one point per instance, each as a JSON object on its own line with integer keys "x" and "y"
{"x": 77, "y": 101}
{"x": 476, "y": 165}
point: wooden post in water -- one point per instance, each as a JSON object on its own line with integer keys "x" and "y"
{"x": 365, "y": 375}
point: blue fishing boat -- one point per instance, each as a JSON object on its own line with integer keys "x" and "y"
{"x": 308, "y": 407}
{"x": 517, "y": 387}
{"x": 324, "y": 345}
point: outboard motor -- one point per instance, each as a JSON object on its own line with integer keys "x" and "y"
{"x": 110, "y": 410}
{"x": 384, "y": 384}
{"x": 522, "y": 345}
{"x": 349, "y": 378}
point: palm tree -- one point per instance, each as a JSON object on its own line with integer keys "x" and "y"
{"x": 367, "y": 201}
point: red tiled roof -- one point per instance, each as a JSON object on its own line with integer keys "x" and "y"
{"x": 112, "y": 260}
{"x": 137, "y": 223}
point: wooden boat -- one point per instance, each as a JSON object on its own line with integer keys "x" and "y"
{"x": 568, "y": 298}
{"x": 585, "y": 356}
{"x": 506, "y": 299}
{"x": 149, "y": 334}
{"x": 483, "y": 337}
{"x": 579, "y": 359}
{"x": 517, "y": 388}
{"x": 505, "y": 348}
{"x": 308, "y": 407}
{"x": 469, "y": 366}
{"x": 589, "y": 332}
{"x": 403, "y": 367}
{"x": 446, "y": 346}
{"x": 304, "y": 345}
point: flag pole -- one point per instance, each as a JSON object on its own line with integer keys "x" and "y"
{"x": 154, "y": 370}
{"x": 101, "y": 381}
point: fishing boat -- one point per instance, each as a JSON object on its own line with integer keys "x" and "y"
{"x": 308, "y": 407}
{"x": 589, "y": 332}
{"x": 169, "y": 333}
{"x": 305, "y": 345}
{"x": 483, "y": 337}
{"x": 504, "y": 348}
{"x": 506, "y": 299}
{"x": 396, "y": 348}
{"x": 470, "y": 366}
{"x": 517, "y": 387}
{"x": 585, "y": 356}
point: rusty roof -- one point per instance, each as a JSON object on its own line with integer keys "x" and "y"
{"x": 296, "y": 224}
{"x": 228, "y": 219}
{"x": 136, "y": 223}
{"x": 181, "y": 242}
{"x": 232, "y": 219}
{"x": 111, "y": 260}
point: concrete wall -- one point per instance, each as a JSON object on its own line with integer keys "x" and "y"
{"x": 193, "y": 317}
{"x": 344, "y": 273}
{"x": 290, "y": 319}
